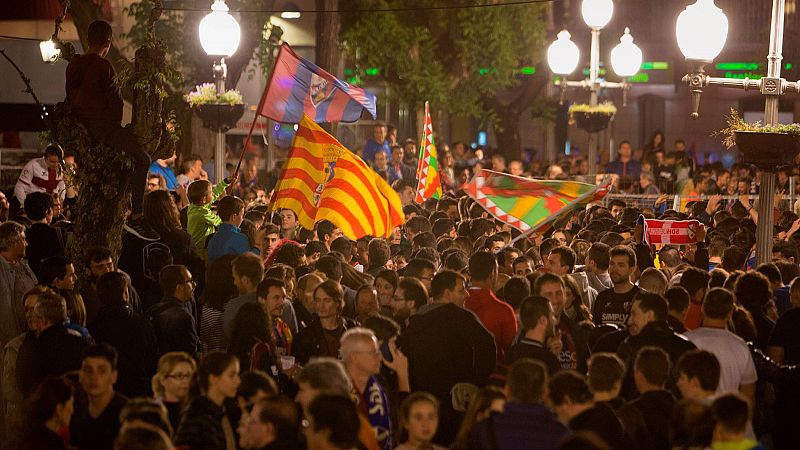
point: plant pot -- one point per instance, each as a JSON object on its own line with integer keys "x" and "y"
{"x": 219, "y": 117}
{"x": 767, "y": 151}
{"x": 592, "y": 122}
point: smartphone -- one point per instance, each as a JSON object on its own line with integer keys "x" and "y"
{"x": 386, "y": 352}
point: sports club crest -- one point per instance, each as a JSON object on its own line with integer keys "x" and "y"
{"x": 321, "y": 89}
{"x": 330, "y": 154}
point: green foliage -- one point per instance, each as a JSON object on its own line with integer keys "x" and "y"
{"x": 453, "y": 58}
{"x": 607, "y": 108}
{"x": 169, "y": 28}
{"x": 737, "y": 123}
{"x": 207, "y": 93}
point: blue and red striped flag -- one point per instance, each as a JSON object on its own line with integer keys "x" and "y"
{"x": 298, "y": 86}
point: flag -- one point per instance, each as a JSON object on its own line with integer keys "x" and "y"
{"x": 674, "y": 232}
{"x": 429, "y": 184}
{"x": 297, "y": 86}
{"x": 526, "y": 204}
{"x": 322, "y": 179}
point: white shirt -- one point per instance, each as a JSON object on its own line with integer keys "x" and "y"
{"x": 736, "y": 362}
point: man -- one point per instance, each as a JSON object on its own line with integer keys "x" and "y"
{"x": 448, "y": 348}
{"x": 497, "y": 316}
{"x": 271, "y": 425}
{"x": 523, "y": 265}
{"x": 288, "y": 224}
{"x": 614, "y": 305}
{"x": 176, "y": 328}
{"x": 653, "y": 280}
{"x": 525, "y": 422}
{"x": 538, "y": 325}
{"x": 321, "y": 337}
{"x": 731, "y": 413}
{"x": 95, "y": 424}
{"x": 163, "y": 167}
{"x": 616, "y": 206}
{"x": 331, "y": 267}
{"x": 16, "y": 278}
{"x": 304, "y": 299}
{"x": 651, "y": 372}
{"x": 377, "y": 142}
{"x": 247, "y": 271}
{"x": 505, "y": 258}
{"x": 407, "y": 299}
{"x": 155, "y": 182}
{"x": 397, "y": 169}
{"x": 128, "y": 332}
{"x": 366, "y": 303}
{"x": 738, "y": 370}
{"x": 362, "y": 360}
{"x": 229, "y": 239}
{"x": 678, "y": 301}
{"x": 695, "y": 281}
{"x": 698, "y": 375}
{"x": 58, "y": 272}
{"x": 381, "y": 163}
{"x": 572, "y": 350}
{"x": 405, "y": 190}
{"x": 515, "y": 168}
{"x": 647, "y": 181}
{"x": 191, "y": 170}
{"x": 42, "y": 174}
{"x": 271, "y": 295}
{"x": 95, "y": 99}
{"x": 99, "y": 262}
{"x": 56, "y": 349}
{"x": 44, "y": 239}
{"x": 561, "y": 261}
{"x": 327, "y": 232}
{"x": 596, "y": 269}
{"x": 625, "y": 166}
{"x": 647, "y": 326}
{"x": 271, "y": 236}
{"x": 421, "y": 269}
{"x": 574, "y": 404}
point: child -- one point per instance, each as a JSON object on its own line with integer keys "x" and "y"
{"x": 419, "y": 419}
{"x": 731, "y": 413}
{"x": 201, "y": 222}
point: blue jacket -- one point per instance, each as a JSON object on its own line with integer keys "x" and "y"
{"x": 631, "y": 169}
{"x": 228, "y": 239}
{"x": 167, "y": 173}
{"x": 520, "y": 426}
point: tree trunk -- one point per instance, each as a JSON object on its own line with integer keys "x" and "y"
{"x": 326, "y": 51}
{"x": 507, "y": 133}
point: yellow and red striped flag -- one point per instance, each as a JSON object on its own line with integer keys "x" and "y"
{"x": 324, "y": 180}
{"x": 429, "y": 184}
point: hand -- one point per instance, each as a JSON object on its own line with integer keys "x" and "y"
{"x": 203, "y": 174}
{"x": 744, "y": 199}
{"x": 662, "y": 198}
{"x": 399, "y": 363}
{"x": 700, "y": 234}
{"x": 554, "y": 343}
{"x": 292, "y": 371}
{"x": 479, "y": 154}
{"x": 713, "y": 204}
{"x": 234, "y": 178}
{"x": 793, "y": 229}
{"x": 779, "y": 198}
{"x": 638, "y": 233}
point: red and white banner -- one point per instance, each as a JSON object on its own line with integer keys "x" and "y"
{"x": 674, "y": 232}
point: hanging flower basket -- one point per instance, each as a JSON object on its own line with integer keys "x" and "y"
{"x": 590, "y": 118}
{"x": 766, "y": 147}
{"x": 216, "y": 116}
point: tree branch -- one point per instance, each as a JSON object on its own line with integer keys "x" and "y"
{"x": 25, "y": 79}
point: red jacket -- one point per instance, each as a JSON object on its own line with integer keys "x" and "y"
{"x": 496, "y": 315}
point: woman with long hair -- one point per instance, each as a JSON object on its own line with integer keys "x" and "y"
{"x": 419, "y": 419}
{"x": 161, "y": 214}
{"x": 386, "y": 282}
{"x": 489, "y": 399}
{"x": 321, "y": 337}
{"x": 219, "y": 290}
{"x": 205, "y": 424}
{"x": 171, "y": 383}
{"x": 45, "y": 416}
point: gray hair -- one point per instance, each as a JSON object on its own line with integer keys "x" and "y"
{"x": 10, "y": 232}
{"x": 51, "y": 307}
{"x": 326, "y": 375}
{"x": 350, "y": 338}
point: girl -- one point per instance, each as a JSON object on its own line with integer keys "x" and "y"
{"x": 419, "y": 419}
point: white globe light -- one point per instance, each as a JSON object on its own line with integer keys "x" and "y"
{"x": 702, "y": 29}
{"x": 597, "y": 13}
{"x": 50, "y": 53}
{"x": 626, "y": 57}
{"x": 563, "y": 54}
{"x": 219, "y": 31}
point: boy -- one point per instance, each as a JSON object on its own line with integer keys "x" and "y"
{"x": 202, "y": 222}
{"x": 731, "y": 416}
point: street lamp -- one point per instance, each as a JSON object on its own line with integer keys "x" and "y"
{"x": 702, "y": 30}
{"x": 50, "y": 52}
{"x": 563, "y": 56}
{"x": 219, "y": 36}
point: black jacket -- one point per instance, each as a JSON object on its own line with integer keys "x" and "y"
{"x": 175, "y": 328}
{"x": 43, "y": 241}
{"x": 250, "y": 326}
{"x": 201, "y": 426}
{"x": 656, "y": 407}
{"x": 135, "y": 340}
{"x": 602, "y": 421}
{"x": 632, "y": 422}
{"x": 311, "y": 341}
{"x": 56, "y": 351}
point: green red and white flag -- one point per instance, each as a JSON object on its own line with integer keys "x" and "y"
{"x": 429, "y": 184}
{"x": 530, "y": 205}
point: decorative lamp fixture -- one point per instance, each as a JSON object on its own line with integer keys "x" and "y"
{"x": 626, "y": 57}
{"x": 50, "y": 53}
{"x": 702, "y": 30}
{"x": 597, "y": 13}
{"x": 219, "y": 31}
{"x": 290, "y": 15}
{"x": 563, "y": 54}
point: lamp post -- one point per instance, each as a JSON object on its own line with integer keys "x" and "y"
{"x": 219, "y": 36}
{"x": 702, "y": 30}
{"x": 563, "y": 56}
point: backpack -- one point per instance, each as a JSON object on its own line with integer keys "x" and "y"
{"x": 262, "y": 357}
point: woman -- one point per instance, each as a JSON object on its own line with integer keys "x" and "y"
{"x": 45, "y": 416}
{"x": 218, "y": 292}
{"x": 573, "y": 304}
{"x": 205, "y": 424}
{"x": 252, "y": 326}
{"x": 161, "y": 214}
{"x": 386, "y": 282}
{"x": 419, "y": 419}
{"x": 321, "y": 337}
{"x": 171, "y": 383}
{"x": 489, "y": 399}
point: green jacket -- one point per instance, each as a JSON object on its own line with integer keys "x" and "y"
{"x": 202, "y": 222}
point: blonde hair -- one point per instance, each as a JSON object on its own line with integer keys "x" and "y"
{"x": 165, "y": 366}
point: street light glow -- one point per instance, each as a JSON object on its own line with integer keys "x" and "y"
{"x": 626, "y": 57}
{"x": 563, "y": 54}
{"x": 219, "y": 31}
{"x": 290, "y": 15}
{"x": 597, "y": 13}
{"x": 50, "y": 53}
{"x": 702, "y": 30}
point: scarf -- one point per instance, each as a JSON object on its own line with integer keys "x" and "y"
{"x": 377, "y": 405}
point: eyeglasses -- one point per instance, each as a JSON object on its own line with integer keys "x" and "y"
{"x": 179, "y": 376}
{"x": 190, "y": 280}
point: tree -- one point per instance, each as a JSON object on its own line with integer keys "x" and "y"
{"x": 467, "y": 60}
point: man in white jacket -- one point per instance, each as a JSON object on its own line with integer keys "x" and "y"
{"x": 42, "y": 174}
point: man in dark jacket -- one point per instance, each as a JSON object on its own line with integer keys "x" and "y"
{"x": 525, "y": 422}
{"x": 538, "y": 324}
{"x": 44, "y": 240}
{"x": 176, "y": 328}
{"x": 55, "y": 351}
{"x": 448, "y": 349}
{"x": 130, "y": 333}
{"x": 651, "y": 372}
